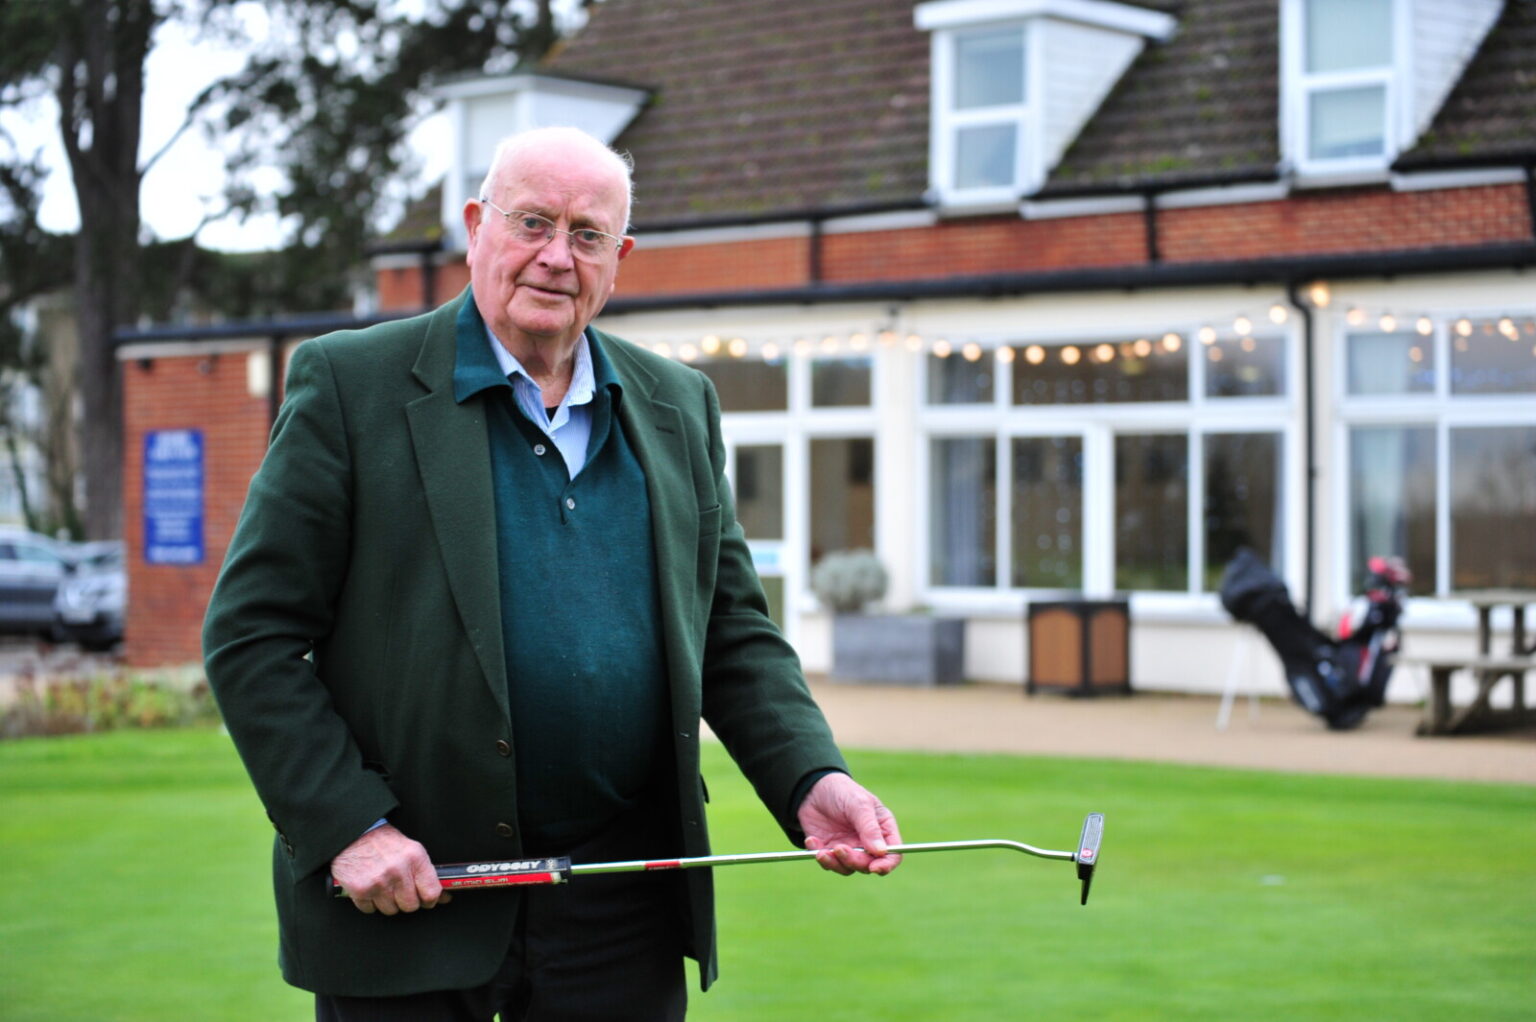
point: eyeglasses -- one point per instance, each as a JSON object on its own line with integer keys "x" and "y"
{"x": 533, "y": 229}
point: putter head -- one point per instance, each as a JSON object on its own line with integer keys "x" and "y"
{"x": 1087, "y": 857}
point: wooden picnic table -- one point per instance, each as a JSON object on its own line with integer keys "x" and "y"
{"x": 1488, "y": 667}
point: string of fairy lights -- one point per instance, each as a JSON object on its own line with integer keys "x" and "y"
{"x": 1246, "y": 329}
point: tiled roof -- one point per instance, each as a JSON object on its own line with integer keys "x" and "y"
{"x": 1203, "y": 105}
{"x": 1491, "y": 112}
{"x": 764, "y": 108}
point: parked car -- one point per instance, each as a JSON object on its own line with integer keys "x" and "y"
{"x": 32, "y": 567}
{"x": 88, "y": 607}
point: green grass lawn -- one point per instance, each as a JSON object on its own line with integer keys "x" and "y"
{"x": 137, "y": 889}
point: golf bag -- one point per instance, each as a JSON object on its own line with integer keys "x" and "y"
{"x": 1340, "y": 679}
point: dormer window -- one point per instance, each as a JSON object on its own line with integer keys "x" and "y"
{"x": 1014, "y": 81}
{"x": 983, "y": 100}
{"x": 1346, "y": 84}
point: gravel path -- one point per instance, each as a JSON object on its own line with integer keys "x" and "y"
{"x": 1173, "y": 728}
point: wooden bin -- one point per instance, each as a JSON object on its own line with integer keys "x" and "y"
{"x": 1081, "y": 647}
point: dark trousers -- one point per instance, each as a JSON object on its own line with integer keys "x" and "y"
{"x": 600, "y": 949}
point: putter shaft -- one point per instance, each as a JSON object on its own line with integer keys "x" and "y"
{"x": 643, "y": 865}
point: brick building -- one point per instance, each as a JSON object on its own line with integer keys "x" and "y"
{"x": 1044, "y": 295}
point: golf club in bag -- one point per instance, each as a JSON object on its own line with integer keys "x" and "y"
{"x": 459, "y": 875}
{"x": 1340, "y": 679}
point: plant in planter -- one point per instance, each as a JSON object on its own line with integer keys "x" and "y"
{"x": 906, "y": 649}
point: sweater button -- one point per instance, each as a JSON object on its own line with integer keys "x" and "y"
{"x": 503, "y": 747}
{"x": 570, "y": 503}
{"x": 539, "y": 449}
{"x": 504, "y": 830}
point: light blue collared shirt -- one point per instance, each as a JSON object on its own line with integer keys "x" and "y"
{"x": 570, "y": 427}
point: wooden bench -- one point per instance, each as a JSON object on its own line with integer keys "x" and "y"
{"x": 1441, "y": 718}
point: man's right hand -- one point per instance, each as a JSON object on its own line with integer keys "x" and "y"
{"x": 385, "y": 871}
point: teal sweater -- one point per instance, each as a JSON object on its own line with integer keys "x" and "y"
{"x": 583, "y": 645}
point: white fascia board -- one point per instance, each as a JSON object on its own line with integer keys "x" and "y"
{"x": 899, "y": 220}
{"x": 188, "y": 349}
{"x": 1434, "y": 180}
{"x": 491, "y": 85}
{"x": 722, "y": 235}
{"x": 949, "y": 14}
{"x": 1097, "y": 205}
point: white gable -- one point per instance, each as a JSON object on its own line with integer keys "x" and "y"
{"x": 1446, "y": 34}
{"x": 483, "y": 111}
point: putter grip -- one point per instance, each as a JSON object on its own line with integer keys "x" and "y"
{"x": 1087, "y": 857}
{"x": 459, "y": 875}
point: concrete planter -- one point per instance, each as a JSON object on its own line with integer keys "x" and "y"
{"x": 898, "y": 649}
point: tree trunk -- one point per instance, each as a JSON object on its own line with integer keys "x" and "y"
{"x": 100, "y": 93}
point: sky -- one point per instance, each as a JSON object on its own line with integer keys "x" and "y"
{"x": 184, "y": 184}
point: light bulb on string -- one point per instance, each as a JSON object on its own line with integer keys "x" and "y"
{"x": 1464, "y": 327}
{"x": 738, "y": 347}
{"x": 1071, "y": 355}
{"x": 1242, "y": 326}
{"x": 914, "y": 342}
{"x": 687, "y": 352}
{"x": 1355, "y": 316}
{"x": 1104, "y": 352}
{"x": 1320, "y": 295}
{"x": 1508, "y": 329}
{"x": 710, "y": 345}
{"x": 1388, "y": 323}
{"x": 1207, "y": 335}
{"x": 941, "y": 348}
{"x": 971, "y": 352}
{"x": 1172, "y": 342}
{"x": 769, "y": 351}
{"x": 1034, "y": 354}
{"x": 1141, "y": 348}
{"x": 1005, "y": 354}
{"x": 1425, "y": 326}
{"x": 888, "y": 338}
{"x": 858, "y": 342}
{"x": 662, "y": 348}
{"x": 802, "y": 346}
{"x": 1278, "y": 314}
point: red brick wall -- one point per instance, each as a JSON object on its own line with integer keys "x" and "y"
{"x": 1339, "y": 220}
{"x": 206, "y": 392}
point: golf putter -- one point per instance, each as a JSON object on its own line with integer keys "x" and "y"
{"x": 546, "y": 871}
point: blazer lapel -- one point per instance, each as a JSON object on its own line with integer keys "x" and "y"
{"x": 453, "y": 458}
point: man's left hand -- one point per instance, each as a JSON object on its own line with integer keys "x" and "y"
{"x": 848, "y": 828}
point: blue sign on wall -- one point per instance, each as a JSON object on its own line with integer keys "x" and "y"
{"x": 173, "y": 496}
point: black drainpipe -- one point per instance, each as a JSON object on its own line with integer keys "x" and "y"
{"x": 1530, "y": 194}
{"x": 813, "y": 262}
{"x": 1149, "y": 216}
{"x": 274, "y": 378}
{"x": 1309, "y": 436}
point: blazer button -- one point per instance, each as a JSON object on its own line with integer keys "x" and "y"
{"x": 503, "y": 747}
{"x": 504, "y": 830}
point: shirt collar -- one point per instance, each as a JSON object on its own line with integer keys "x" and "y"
{"x": 482, "y": 362}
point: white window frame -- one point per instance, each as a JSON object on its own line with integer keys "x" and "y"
{"x": 793, "y": 428}
{"x": 947, "y": 121}
{"x": 1440, "y": 411}
{"x": 1097, "y": 425}
{"x": 1298, "y": 86}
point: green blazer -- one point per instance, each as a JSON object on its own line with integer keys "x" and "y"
{"x": 354, "y": 643}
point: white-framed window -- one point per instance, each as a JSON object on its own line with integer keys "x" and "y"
{"x": 800, "y": 433}
{"x": 1343, "y": 81}
{"x": 1104, "y": 463}
{"x": 981, "y": 114}
{"x": 1438, "y": 431}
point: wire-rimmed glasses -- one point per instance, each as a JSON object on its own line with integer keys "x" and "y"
{"x": 532, "y": 229}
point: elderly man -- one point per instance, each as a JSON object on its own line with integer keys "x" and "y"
{"x": 487, "y": 582}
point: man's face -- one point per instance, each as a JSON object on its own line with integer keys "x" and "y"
{"x": 531, "y": 295}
